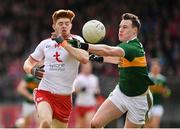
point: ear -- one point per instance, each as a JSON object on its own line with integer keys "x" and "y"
{"x": 53, "y": 26}
{"x": 71, "y": 25}
{"x": 135, "y": 30}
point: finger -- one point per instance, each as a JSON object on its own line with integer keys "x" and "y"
{"x": 39, "y": 73}
{"x": 41, "y": 66}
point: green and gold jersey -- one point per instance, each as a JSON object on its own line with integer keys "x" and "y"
{"x": 159, "y": 89}
{"x": 31, "y": 84}
{"x": 134, "y": 79}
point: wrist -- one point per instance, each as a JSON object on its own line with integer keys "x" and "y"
{"x": 64, "y": 43}
{"x": 84, "y": 46}
{"x": 32, "y": 70}
{"x": 100, "y": 59}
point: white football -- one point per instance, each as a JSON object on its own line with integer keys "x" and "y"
{"x": 93, "y": 31}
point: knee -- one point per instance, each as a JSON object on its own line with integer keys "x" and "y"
{"x": 95, "y": 124}
{"x": 45, "y": 124}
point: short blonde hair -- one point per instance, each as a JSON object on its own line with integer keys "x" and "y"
{"x": 63, "y": 14}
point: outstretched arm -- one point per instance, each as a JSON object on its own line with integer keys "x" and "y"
{"x": 100, "y": 49}
{"x": 107, "y": 59}
{"x": 105, "y": 50}
{"x": 79, "y": 54}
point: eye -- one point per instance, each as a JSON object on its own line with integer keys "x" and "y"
{"x": 60, "y": 23}
{"x": 67, "y": 23}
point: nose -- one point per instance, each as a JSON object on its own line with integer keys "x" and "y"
{"x": 64, "y": 25}
{"x": 120, "y": 30}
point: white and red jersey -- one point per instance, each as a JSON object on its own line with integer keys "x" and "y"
{"x": 60, "y": 67}
{"x": 91, "y": 83}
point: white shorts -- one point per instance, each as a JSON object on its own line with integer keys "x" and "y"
{"x": 137, "y": 107}
{"x": 157, "y": 110}
{"x": 28, "y": 108}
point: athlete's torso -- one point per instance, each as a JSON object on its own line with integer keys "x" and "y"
{"x": 60, "y": 67}
{"x": 133, "y": 72}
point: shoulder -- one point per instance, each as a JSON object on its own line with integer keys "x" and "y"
{"x": 77, "y": 37}
{"x": 46, "y": 41}
{"x": 162, "y": 77}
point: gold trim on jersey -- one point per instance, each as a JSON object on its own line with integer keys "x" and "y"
{"x": 32, "y": 85}
{"x": 157, "y": 88}
{"x": 137, "y": 62}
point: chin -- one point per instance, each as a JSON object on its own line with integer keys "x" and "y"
{"x": 120, "y": 39}
{"x": 64, "y": 35}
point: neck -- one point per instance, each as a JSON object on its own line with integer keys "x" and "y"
{"x": 155, "y": 74}
{"x": 66, "y": 36}
{"x": 132, "y": 38}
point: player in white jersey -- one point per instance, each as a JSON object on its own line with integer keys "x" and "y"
{"x": 87, "y": 87}
{"x": 61, "y": 63}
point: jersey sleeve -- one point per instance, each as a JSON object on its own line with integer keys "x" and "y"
{"x": 129, "y": 51}
{"x": 38, "y": 54}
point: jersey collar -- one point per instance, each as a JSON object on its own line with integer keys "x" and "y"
{"x": 131, "y": 39}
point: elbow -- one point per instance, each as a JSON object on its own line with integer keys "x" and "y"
{"x": 84, "y": 60}
{"x": 25, "y": 68}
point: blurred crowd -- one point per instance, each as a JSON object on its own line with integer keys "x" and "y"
{"x": 23, "y": 24}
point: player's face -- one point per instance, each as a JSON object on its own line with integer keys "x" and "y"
{"x": 63, "y": 27}
{"x": 155, "y": 69}
{"x": 126, "y": 30}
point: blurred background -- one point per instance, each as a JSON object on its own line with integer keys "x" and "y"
{"x": 24, "y": 23}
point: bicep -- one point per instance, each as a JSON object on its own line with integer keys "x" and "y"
{"x": 116, "y": 51}
{"x": 110, "y": 59}
{"x": 29, "y": 64}
{"x": 31, "y": 61}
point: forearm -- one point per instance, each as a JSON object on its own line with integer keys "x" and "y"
{"x": 105, "y": 50}
{"x": 101, "y": 50}
{"x": 79, "y": 54}
{"x": 28, "y": 65}
{"x": 107, "y": 59}
{"x": 22, "y": 90}
{"x": 113, "y": 60}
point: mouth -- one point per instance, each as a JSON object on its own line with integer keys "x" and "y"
{"x": 63, "y": 31}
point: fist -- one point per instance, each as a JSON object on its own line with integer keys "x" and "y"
{"x": 38, "y": 72}
{"x": 95, "y": 58}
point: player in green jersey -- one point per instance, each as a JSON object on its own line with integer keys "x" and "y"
{"x": 132, "y": 94}
{"x": 159, "y": 91}
{"x": 25, "y": 88}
